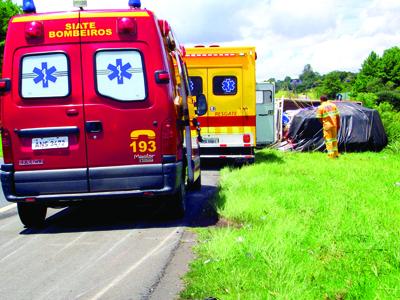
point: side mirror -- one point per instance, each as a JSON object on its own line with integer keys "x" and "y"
{"x": 201, "y": 105}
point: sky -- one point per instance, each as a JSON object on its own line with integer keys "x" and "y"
{"x": 288, "y": 34}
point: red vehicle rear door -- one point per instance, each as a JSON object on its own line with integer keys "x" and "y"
{"x": 123, "y": 120}
{"x": 46, "y": 107}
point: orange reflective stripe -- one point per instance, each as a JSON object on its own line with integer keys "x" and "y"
{"x": 75, "y": 15}
{"x": 114, "y": 14}
{"x": 30, "y": 18}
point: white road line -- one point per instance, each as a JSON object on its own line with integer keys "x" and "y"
{"x": 70, "y": 244}
{"x": 133, "y": 267}
{"x": 18, "y": 249}
{"x": 87, "y": 265}
{"x": 11, "y": 221}
{"x": 111, "y": 249}
{"x": 4, "y": 245}
{"x": 8, "y": 207}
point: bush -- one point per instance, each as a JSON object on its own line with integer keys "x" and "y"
{"x": 368, "y": 99}
{"x": 391, "y": 122}
{"x": 392, "y": 97}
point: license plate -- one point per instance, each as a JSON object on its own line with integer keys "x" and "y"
{"x": 210, "y": 140}
{"x": 58, "y": 142}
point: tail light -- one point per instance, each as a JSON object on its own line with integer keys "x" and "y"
{"x": 246, "y": 138}
{"x": 169, "y": 138}
{"x": 162, "y": 76}
{"x": 6, "y": 140}
{"x": 5, "y": 85}
{"x": 126, "y": 26}
{"x": 34, "y": 31}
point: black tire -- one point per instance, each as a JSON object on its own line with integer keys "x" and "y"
{"x": 178, "y": 205}
{"x": 251, "y": 161}
{"x": 32, "y": 215}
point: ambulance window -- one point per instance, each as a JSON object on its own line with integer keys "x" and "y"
{"x": 45, "y": 76}
{"x": 196, "y": 85}
{"x": 268, "y": 96}
{"x": 120, "y": 75}
{"x": 225, "y": 85}
{"x": 259, "y": 97}
{"x": 263, "y": 97}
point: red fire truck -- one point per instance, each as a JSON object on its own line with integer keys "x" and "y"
{"x": 95, "y": 105}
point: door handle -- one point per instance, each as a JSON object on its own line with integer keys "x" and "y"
{"x": 72, "y": 112}
{"x": 263, "y": 115}
{"x": 94, "y": 126}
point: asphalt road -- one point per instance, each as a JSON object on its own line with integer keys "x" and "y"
{"x": 116, "y": 250}
{"x": 3, "y": 201}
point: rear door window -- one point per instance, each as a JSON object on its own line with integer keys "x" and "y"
{"x": 196, "y": 85}
{"x": 120, "y": 75}
{"x": 225, "y": 85}
{"x": 263, "y": 97}
{"x": 45, "y": 75}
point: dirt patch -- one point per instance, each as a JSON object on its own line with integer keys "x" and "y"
{"x": 228, "y": 223}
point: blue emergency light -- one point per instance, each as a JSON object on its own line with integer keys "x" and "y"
{"x": 28, "y": 6}
{"x": 135, "y": 3}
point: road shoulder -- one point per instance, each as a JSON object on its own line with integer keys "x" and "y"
{"x": 171, "y": 283}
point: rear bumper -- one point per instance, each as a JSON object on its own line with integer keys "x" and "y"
{"x": 237, "y": 153}
{"x": 58, "y": 187}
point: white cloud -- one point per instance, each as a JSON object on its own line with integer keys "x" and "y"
{"x": 380, "y": 16}
{"x": 288, "y": 34}
{"x": 295, "y": 19}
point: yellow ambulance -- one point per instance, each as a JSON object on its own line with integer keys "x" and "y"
{"x": 227, "y": 77}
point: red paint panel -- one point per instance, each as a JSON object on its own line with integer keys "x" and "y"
{"x": 228, "y": 121}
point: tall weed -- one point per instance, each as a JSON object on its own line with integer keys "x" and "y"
{"x": 391, "y": 122}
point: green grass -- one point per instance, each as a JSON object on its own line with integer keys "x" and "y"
{"x": 304, "y": 227}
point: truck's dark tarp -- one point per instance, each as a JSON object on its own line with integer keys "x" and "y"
{"x": 361, "y": 129}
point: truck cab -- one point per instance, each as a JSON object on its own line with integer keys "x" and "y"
{"x": 94, "y": 105}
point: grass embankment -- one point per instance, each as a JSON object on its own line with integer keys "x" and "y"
{"x": 304, "y": 227}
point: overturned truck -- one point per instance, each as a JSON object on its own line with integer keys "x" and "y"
{"x": 361, "y": 129}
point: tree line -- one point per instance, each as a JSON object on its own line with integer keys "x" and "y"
{"x": 7, "y": 10}
{"x": 377, "y": 81}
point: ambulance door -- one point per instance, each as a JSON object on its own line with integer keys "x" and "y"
{"x": 123, "y": 126}
{"x": 198, "y": 85}
{"x": 225, "y": 96}
{"x": 47, "y": 119}
{"x": 265, "y": 114}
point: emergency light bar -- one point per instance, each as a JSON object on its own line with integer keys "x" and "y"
{"x": 28, "y": 6}
{"x": 135, "y": 3}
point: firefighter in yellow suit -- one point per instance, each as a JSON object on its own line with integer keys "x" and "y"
{"x": 328, "y": 115}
